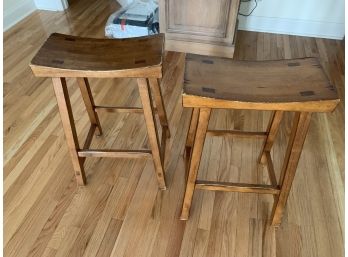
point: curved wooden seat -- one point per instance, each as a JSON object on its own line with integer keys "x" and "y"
{"x": 289, "y": 85}
{"x": 71, "y": 56}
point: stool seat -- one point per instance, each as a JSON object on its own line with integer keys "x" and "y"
{"x": 72, "y": 56}
{"x": 287, "y": 85}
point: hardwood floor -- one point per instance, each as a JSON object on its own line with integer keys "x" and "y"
{"x": 121, "y": 212}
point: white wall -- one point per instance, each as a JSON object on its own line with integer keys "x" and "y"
{"x": 316, "y": 18}
{"x": 51, "y": 5}
{"x": 16, "y": 10}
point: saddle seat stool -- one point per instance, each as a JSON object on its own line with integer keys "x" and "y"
{"x": 63, "y": 56}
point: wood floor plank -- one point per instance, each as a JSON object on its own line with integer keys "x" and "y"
{"x": 109, "y": 238}
{"x": 40, "y": 246}
{"x": 29, "y": 192}
{"x": 101, "y": 233}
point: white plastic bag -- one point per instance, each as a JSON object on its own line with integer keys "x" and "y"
{"x": 133, "y": 20}
{"x": 125, "y": 3}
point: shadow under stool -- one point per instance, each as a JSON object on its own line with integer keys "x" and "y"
{"x": 64, "y": 56}
{"x": 297, "y": 85}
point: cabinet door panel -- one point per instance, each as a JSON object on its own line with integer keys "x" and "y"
{"x": 198, "y": 17}
{"x": 202, "y": 20}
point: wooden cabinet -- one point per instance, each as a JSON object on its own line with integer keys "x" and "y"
{"x": 206, "y": 27}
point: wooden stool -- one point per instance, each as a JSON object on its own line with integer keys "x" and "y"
{"x": 298, "y": 85}
{"x": 64, "y": 56}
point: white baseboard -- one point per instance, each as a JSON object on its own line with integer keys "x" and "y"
{"x": 19, "y": 12}
{"x": 292, "y": 27}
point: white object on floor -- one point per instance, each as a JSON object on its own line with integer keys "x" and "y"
{"x": 132, "y": 21}
{"x": 125, "y": 3}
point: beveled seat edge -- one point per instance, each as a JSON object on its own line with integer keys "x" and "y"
{"x": 143, "y": 72}
{"x": 194, "y": 101}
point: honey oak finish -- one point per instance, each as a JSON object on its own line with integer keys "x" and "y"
{"x": 298, "y": 85}
{"x": 121, "y": 212}
{"x": 272, "y": 131}
{"x": 290, "y": 85}
{"x": 70, "y": 56}
{"x": 65, "y": 111}
{"x": 89, "y": 103}
{"x": 200, "y": 27}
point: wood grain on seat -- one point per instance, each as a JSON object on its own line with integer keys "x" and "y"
{"x": 71, "y": 56}
{"x": 290, "y": 85}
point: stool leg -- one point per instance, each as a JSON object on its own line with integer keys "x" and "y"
{"x": 64, "y": 105}
{"x": 89, "y": 103}
{"x": 157, "y": 94}
{"x": 145, "y": 95}
{"x": 297, "y": 137}
{"x": 190, "y": 137}
{"x": 203, "y": 120}
{"x": 272, "y": 130}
